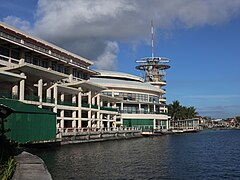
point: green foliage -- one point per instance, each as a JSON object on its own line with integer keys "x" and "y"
{"x": 8, "y": 169}
{"x": 8, "y": 149}
{"x": 179, "y": 112}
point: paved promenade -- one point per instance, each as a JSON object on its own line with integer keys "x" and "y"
{"x": 30, "y": 167}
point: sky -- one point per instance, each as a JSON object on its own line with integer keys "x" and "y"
{"x": 200, "y": 37}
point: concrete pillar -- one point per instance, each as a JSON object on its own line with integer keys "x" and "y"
{"x": 22, "y": 55}
{"x": 22, "y": 88}
{"x": 121, "y": 106}
{"x": 15, "y": 90}
{"x": 40, "y": 89}
{"x": 74, "y": 99}
{"x": 62, "y": 97}
{"x": 139, "y": 108}
{"x": 49, "y": 93}
{"x": 108, "y": 104}
{"x": 74, "y": 115}
{"x": 62, "y": 118}
{"x": 55, "y": 96}
{"x": 79, "y": 109}
{"x": 10, "y": 55}
{"x": 154, "y": 108}
{"x": 89, "y": 97}
{"x": 49, "y": 65}
{"x": 71, "y": 74}
{"x": 154, "y": 123}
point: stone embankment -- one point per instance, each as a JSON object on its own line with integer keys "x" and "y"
{"x": 30, "y": 167}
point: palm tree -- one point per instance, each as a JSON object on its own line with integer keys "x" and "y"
{"x": 174, "y": 110}
{"x": 178, "y": 112}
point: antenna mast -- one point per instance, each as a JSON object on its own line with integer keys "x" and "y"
{"x": 152, "y": 39}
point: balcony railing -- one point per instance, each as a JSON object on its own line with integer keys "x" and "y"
{"x": 31, "y": 98}
{"x": 48, "y": 100}
{"x": 85, "y": 105}
{"x": 67, "y": 103}
{"x": 142, "y": 112}
{"x": 94, "y": 106}
{"x": 9, "y": 96}
{"x": 109, "y": 109}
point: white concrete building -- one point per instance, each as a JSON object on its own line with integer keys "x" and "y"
{"x": 39, "y": 73}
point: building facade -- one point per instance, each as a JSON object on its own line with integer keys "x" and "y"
{"x": 37, "y": 72}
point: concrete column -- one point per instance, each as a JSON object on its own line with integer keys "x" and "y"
{"x": 22, "y": 88}
{"x": 15, "y": 90}
{"x": 79, "y": 109}
{"x": 62, "y": 97}
{"x": 154, "y": 123}
{"x": 49, "y": 93}
{"x": 55, "y": 93}
{"x": 93, "y": 100}
{"x": 10, "y": 55}
{"x": 62, "y": 118}
{"x": 40, "y": 89}
{"x": 71, "y": 74}
{"x": 22, "y": 59}
{"x": 154, "y": 108}
{"x": 74, "y": 115}
{"x": 49, "y": 65}
{"x": 108, "y": 104}
{"x": 139, "y": 108}
{"x": 121, "y": 106}
{"x": 89, "y": 97}
{"x": 74, "y": 99}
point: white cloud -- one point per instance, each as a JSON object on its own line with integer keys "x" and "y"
{"x": 107, "y": 60}
{"x": 84, "y": 27}
{"x": 17, "y": 22}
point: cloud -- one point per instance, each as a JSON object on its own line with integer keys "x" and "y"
{"x": 17, "y": 22}
{"x": 108, "y": 59}
{"x": 85, "y": 27}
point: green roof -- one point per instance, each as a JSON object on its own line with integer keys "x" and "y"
{"x": 20, "y": 107}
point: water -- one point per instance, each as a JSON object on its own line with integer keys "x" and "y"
{"x": 204, "y": 155}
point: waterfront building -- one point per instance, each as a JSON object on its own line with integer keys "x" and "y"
{"x": 140, "y": 104}
{"x": 37, "y": 72}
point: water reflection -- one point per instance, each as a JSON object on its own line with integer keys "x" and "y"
{"x": 202, "y": 155}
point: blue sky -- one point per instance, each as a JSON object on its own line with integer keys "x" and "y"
{"x": 202, "y": 42}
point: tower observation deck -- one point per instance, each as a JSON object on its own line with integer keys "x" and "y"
{"x": 154, "y": 67}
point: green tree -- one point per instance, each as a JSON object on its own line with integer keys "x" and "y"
{"x": 179, "y": 112}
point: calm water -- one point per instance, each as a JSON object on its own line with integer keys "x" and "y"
{"x": 204, "y": 155}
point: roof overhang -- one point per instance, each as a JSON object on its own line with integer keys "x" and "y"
{"x": 38, "y": 71}
{"x": 9, "y": 76}
{"x": 110, "y": 98}
{"x": 87, "y": 86}
{"x": 67, "y": 90}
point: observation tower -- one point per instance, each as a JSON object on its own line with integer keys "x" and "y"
{"x": 154, "y": 67}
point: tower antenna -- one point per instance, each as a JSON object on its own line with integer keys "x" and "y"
{"x": 152, "y": 29}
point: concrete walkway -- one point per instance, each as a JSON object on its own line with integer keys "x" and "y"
{"x": 31, "y": 167}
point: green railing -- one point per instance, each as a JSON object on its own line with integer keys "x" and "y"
{"x": 67, "y": 103}
{"x": 143, "y": 112}
{"x": 31, "y": 98}
{"x": 85, "y": 105}
{"x": 94, "y": 106}
{"x": 109, "y": 109}
{"x": 9, "y": 96}
{"x": 48, "y": 100}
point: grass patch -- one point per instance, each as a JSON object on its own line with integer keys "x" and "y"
{"x": 8, "y": 169}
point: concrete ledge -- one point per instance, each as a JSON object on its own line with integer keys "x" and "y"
{"x": 30, "y": 166}
{"x": 110, "y": 138}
